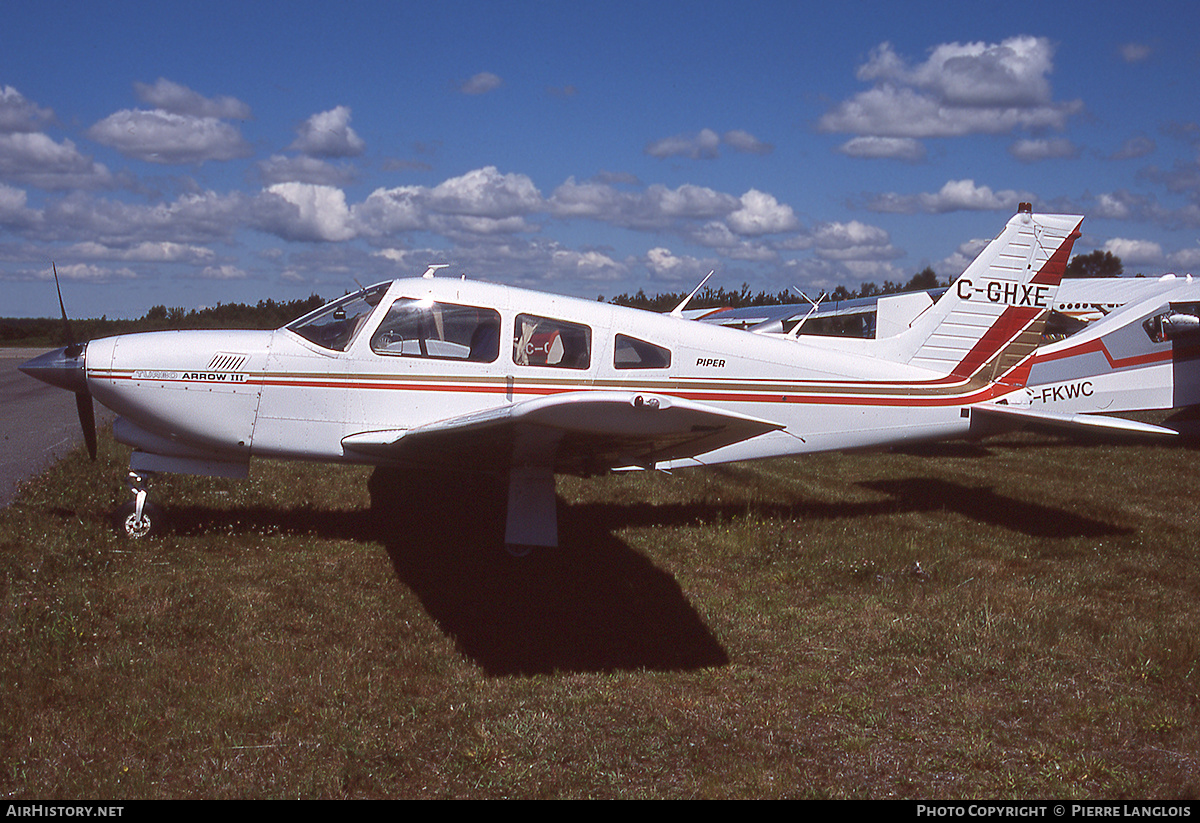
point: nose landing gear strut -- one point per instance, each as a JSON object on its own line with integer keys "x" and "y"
{"x": 139, "y": 518}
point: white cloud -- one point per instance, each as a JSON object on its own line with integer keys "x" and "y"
{"x": 392, "y": 211}
{"x": 955, "y": 195}
{"x": 1135, "y": 147}
{"x": 328, "y": 134}
{"x": 480, "y": 202}
{"x": 1135, "y": 52}
{"x": 760, "y": 213}
{"x": 961, "y": 89}
{"x": 656, "y": 207}
{"x": 13, "y": 209}
{"x": 1186, "y": 260}
{"x": 688, "y": 201}
{"x": 473, "y": 225}
{"x": 663, "y": 263}
{"x": 746, "y": 142}
{"x": 1031, "y": 151}
{"x": 94, "y": 274}
{"x": 486, "y": 192}
{"x": 697, "y": 214}
{"x": 706, "y": 144}
{"x": 320, "y": 212}
{"x": 35, "y": 159}
{"x": 1113, "y": 205}
{"x": 1011, "y": 73}
{"x": 164, "y": 137}
{"x": 222, "y": 272}
{"x": 586, "y": 265}
{"x": 1135, "y": 252}
{"x": 162, "y": 251}
{"x": 595, "y": 199}
{"x": 661, "y": 260}
{"x": 963, "y": 256}
{"x": 19, "y": 114}
{"x": 702, "y": 145}
{"x": 892, "y": 148}
{"x": 853, "y": 241}
{"x": 178, "y": 99}
{"x": 719, "y": 237}
{"x": 191, "y": 218}
{"x": 304, "y": 169}
{"x": 481, "y": 83}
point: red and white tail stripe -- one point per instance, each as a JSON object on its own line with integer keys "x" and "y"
{"x": 990, "y": 320}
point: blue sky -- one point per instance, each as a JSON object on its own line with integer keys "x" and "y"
{"x": 186, "y": 154}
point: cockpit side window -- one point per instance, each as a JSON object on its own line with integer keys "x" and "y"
{"x": 334, "y": 325}
{"x": 442, "y": 331}
{"x": 543, "y": 341}
{"x": 1180, "y": 320}
{"x": 631, "y": 353}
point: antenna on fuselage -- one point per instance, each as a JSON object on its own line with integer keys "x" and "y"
{"x": 795, "y": 332}
{"x": 428, "y": 275}
{"x": 678, "y": 310}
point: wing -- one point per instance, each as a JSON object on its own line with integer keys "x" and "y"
{"x": 571, "y": 433}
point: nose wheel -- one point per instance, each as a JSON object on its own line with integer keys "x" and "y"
{"x": 138, "y": 518}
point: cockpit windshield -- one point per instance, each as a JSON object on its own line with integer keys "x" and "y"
{"x": 334, "y": 325}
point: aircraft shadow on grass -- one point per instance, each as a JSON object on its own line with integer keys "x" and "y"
{"x": 594, "y": 603}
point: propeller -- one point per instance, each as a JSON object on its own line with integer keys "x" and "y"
{"x": 66, "y": 369}
{"x": 87, "y": 421}
{"x": 83, "y": 398}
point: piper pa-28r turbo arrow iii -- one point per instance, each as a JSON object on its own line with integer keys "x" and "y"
{"x": 438, "y": 373}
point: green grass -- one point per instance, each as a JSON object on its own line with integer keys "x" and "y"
{"x": 1014, "y": 621}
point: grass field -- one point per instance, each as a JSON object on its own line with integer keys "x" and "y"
{"x": 1010, "y": 621}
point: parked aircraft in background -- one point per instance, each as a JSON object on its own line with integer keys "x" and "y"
{"x": 1077, "y": 303}
{"x": 1142, "y": 356}
{"x": 439, "y": 374}
{"x": 1133, "y": 343}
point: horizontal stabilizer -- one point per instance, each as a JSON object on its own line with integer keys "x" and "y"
{"x": 995, "y": 419}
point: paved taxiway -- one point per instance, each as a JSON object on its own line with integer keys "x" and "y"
{"x": 38, "y": 423}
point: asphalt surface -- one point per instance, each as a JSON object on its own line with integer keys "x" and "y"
{"x": 38, "y": 423}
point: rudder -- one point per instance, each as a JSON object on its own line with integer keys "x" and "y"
{"x": 990, "y": 320}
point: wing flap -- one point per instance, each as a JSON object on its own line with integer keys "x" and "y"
{"x": 574, "y": 432}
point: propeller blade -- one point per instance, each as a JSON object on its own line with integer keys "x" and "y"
{"x": 73, "y": 348}
{"x": 83, "y": 399}
{"x": 87, "y": 421}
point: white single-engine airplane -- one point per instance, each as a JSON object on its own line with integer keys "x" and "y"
{"x": 451, "y": 374}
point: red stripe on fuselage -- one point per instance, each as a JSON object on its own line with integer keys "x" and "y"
{"x": 1011, "y": 322}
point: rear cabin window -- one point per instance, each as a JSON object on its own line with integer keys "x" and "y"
{"x": 543, "y": 341}
{"x": 442, "y": 331}
{"x": 631, "y": 353}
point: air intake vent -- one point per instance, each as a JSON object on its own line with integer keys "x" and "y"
{"x": 226, "y": 361}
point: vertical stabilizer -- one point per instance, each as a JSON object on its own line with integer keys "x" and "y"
{"x": 990, "y": 320}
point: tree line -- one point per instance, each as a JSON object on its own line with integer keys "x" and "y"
{"x": 708, "y": 297}
{"x": 266, "y": 314}
{"x": 1097, "y": 264}
{"x": 271, "y": 314}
